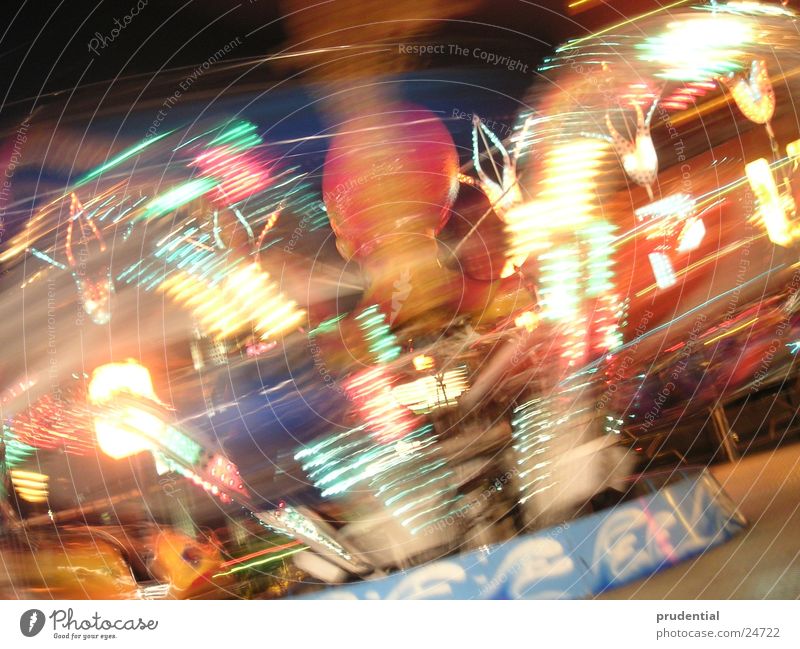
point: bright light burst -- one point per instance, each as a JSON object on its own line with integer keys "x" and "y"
{"x": 698, "y": 49}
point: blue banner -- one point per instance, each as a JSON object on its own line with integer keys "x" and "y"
{"x": 577, "y": 559}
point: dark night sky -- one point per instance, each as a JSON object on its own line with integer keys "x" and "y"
{"x": 44, "y": 45}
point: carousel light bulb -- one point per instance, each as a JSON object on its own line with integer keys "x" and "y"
{"x": 662, "y": 269}
{"x": 678, "y": 206}
{"x": 127, "y": 431}
{"x": 423, "y": 362}
{"x": 30, "y": 486}
{"x": 692, "y": 235}
{"x": 527, "y": 320}
{"x": 771, "y": 209}
{"x": 793, "y": 151}
{"x": 569, "y": 186}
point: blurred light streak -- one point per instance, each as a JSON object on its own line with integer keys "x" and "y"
{"x": 591, "y": 367}
{"x": 291, "y": 522}
{"x": 230, "y": 161}
{"x": 578, "y": 41}
{"x": 378, "y": 334}
{"x": 16, "y": 452}
{"x": 679, "y": 206}
{"x": 662, "y": 269}
{"x": 47, "y": 258}
{"x": 687, "y": 95}
{"x": 698, "y": 49}
{"x": 110, "y": 379}
{"x": 793, "y": 152}
{"x": 423, "y": 362}
{"x": 386, "y": 418}
{"x": 750, "y": 322}
{"x": 567, "y": 189}
{"x": 259, "y": 553}
{"x": 705, "y": 260}
{"x": 60, "y": 420}
{"x": 120, "y": 158}
{"x": 261, "y": 562}
{"x": 692, "y": 235}
{"x": 755, "y": 8}
{"x": 528, "y": 320}
{"x": 177, "y": 196}
{"x": 695, "y": 309}
{"x": 408, "y": 476}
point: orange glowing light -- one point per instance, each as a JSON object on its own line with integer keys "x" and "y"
{"x": 124, "y": 429}
{"x": 528, "y": 320}
{"x": 423, "y": 362}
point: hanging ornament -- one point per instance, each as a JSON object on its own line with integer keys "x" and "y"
{"x": 639, "y": 157}
{"x": 754, "y": 95}
{"x": 503, "y": 194}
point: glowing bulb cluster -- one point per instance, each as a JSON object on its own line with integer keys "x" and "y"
{"x": 567, "y": 199}
{"x": 30, "y": 486}
{"x": 245, "y": 296}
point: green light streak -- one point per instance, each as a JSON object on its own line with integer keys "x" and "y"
{"x": 239, "y": 136}
{"x": 174, "y": 198}
{"x": 260, "y": 562}
{"x": 326, "y": 326}
{"x": 120, "y": 158}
